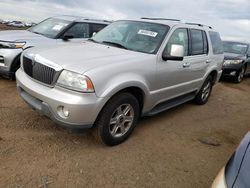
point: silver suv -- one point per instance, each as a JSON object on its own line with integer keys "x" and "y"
{"x": 56, "y": 30}
{"x": 131, "y": 68}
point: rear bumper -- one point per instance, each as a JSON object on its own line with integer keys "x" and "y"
{"x": 83, "y": 108}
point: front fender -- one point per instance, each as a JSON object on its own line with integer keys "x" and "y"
{"x": 120, "y": 82}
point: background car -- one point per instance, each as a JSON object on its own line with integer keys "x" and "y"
{"x": 236, "y": 172}
{"x": 56, "y": 30}
{"x": 237, "y": 60}
{"x": 16, "y": 24}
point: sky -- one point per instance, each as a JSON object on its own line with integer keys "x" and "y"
{"x": 230, "y": 17}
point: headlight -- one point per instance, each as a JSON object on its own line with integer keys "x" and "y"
{"x": 75, "y": 81}
{"x": 232, "y": 62}
{"x": 12, "y": 45}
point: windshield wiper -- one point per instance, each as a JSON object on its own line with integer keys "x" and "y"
{"x": 92, "y": 40}
{"x": 115, "y": 44}
{"x": 35, "y": 32}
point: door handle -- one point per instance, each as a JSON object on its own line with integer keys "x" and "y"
{"x": 186, "y": 64}
{"x": 208, "y": 61}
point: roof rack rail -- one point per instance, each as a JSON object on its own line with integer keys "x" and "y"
{"x": 97, "y": 20}
{"x": 176, "y": 20}
{"x": 201, "y": 25}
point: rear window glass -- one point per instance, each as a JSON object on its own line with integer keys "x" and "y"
{"x": 216, "y": 42}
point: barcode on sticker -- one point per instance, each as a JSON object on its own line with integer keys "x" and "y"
{"x": 148, "y": 33}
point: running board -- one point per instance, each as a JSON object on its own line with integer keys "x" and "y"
{"x": 171, "y": 103}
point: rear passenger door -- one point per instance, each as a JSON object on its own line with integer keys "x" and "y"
{"x": 198, "y": 56}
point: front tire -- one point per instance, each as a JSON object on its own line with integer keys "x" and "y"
{"x": 240, "y": 75}
{"x": 117, "y": 120}
{"x": 205, "y": 92}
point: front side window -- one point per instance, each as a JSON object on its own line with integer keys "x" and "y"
{"x": 78, "y": 30}
{"x": 179, "y": 37}
{"x": 133, "y": 35}
{"x": 235, "y": 47}
{"x": 50, "y": 27}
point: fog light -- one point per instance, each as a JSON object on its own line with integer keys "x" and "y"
{"x": 66, "y": 112}
{"x": 233, "y": 73}
{"x": 63, "y": 112}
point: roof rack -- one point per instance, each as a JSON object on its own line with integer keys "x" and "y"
{"x": 201, "y": 25}
{"x": 89, "y": 19}
{"x": 175, "y": 20}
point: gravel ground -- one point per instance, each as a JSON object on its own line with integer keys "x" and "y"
{"x": 167, "y": 150}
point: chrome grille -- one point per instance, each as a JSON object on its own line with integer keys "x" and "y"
{"x": 38, "y": 71}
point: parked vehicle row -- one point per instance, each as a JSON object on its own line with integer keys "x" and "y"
{"x": 17, "y": 23}
{"x": 52, "y": 31}
{"x": 125, "y": 70}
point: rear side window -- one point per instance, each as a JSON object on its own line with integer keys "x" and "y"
{"x": 199, "y": 44}
{"x": 216, "y": 42}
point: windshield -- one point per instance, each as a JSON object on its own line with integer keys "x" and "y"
{"x": 132, "y": 35}
{"x": 235, "y": 47}
{"x": 50, "y": 27}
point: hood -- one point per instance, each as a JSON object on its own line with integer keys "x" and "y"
{"x": 232, "y": 56}
{"x": 18, "y": 36}
{"x": 82, "y": 57}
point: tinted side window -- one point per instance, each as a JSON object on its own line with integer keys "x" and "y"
{"x": 95, "y": 28}
{"x": 205, "y": 42}
{"x": 216, "y": 42}
{"x": 197, "y": 42}
{"x": 180, "y": 37}
{"x": 79, "y": 30}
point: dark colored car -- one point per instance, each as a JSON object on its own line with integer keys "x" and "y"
{"x": 236, "y": 174}
{"x": 237, "y": 60}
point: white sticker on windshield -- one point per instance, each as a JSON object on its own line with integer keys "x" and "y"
{"x": 57, "y": 27}
{"x": 148, "y": 33}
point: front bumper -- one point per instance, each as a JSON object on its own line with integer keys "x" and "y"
{"x": 7, "y": 57}
{"x": 83, "y": 108}
{"x": 220, "y": 181}
{"x": 231, "y": 70}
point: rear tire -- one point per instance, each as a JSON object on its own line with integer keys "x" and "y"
{"x": 117, "y": 120}
{"x": 205, "y": 92}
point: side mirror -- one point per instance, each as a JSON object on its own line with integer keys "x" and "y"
{"x": 176, "y": 53}
{"x": 67, "y": 37}
{"x": 94, "y": 34}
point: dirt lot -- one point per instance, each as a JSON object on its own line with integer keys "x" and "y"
{"x": 5, "y": 27}
{"x": 164, "y": 151}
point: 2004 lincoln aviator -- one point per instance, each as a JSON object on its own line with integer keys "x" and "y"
{"x": 132, "y": 68}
